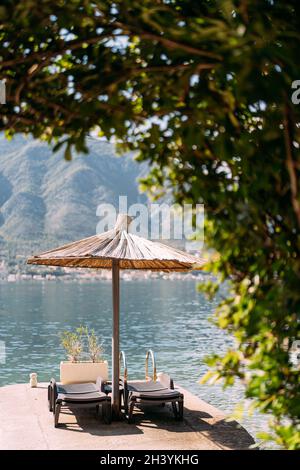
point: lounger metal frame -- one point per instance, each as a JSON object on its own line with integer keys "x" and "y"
{"x": 132, "y": 397}
{"x": 58, "y": 400}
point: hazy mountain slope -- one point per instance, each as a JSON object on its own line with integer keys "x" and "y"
{"x": 43, "y": 196}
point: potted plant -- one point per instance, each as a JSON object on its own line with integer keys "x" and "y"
{"x": 84, "y": 352}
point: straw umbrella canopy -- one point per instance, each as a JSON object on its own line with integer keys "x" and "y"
{"x": 118, "y": 249}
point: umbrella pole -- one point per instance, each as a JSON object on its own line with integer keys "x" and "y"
{"x": 115, "y": 338}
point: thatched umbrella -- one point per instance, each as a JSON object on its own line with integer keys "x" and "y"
{"x": 118, "y": 249}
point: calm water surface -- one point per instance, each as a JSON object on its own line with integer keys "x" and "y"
{"x": 169, "y": 316}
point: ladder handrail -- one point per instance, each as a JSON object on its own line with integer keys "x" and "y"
{"x": 122, "y": 357}
{"x": 150, "y": 353}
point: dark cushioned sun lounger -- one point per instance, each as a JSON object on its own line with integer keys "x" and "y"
{"x": 155, "y": 391}
{"x": 86, "y": 395}
{"x": 150, "y": 392}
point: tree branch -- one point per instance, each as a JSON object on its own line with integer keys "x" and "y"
{"x": 45, "y": 55}
{"x": 169, "y": 43}
{"x": 288, "y": 137}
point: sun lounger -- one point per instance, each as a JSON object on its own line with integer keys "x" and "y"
{"x": 72, "y": 396}
{"x": 157, "y": 390}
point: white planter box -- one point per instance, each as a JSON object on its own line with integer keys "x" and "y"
{"x": 79, "y": 372}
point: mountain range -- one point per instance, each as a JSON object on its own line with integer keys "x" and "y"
{"x": 42, "y": 196}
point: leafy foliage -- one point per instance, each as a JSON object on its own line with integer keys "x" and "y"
{"x": 81, "y": 341}
{"x": 72, "y": 344}
{"x": 202, "y": 89}
{"x": 94, "y": 347}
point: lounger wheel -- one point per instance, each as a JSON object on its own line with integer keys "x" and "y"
{"x": 50, "y": 404}
{"x": 124, "y": 395}
{"x": 130, "y": 412}
{"x": 106, "y": 412}
{"x": 56, "y": 413}
{"x": 175, "y": 411}
{"x": 178, "y": 409}
{"x": 52, "y": 395}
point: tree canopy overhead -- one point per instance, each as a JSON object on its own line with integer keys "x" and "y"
{"x": 202, "y": 89}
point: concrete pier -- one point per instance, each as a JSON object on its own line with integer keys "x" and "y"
{"x": 26, "y": 423}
